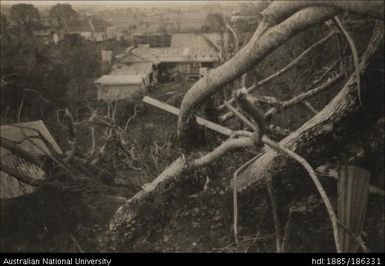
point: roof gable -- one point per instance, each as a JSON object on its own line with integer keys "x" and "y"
{"x": 120, "y": 80}
{"x": 197, "y": 41}
{"x": 90, "y": 24}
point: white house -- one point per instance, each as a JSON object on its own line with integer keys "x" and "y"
{"x": 92, "y": 29}
{"x": 125, "y": 81}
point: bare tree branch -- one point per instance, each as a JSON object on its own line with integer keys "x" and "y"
{"x": 287, "y": 67}
{"x": 303, "y": 96}
{"x": 229, "y": 145}
{"x": 312, "y": 174}
{"x": 252, "y": 53}
{"x": 72, "y": 141}
{"x": 310, "y": 107}
{"x": 354, "y": 54}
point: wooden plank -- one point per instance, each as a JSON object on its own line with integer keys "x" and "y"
{"x": 161, "y": 105}
{"x": 201, "y": 121}
{"x": 327, "y": 170}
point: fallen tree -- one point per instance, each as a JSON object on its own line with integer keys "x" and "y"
{"x": 132, "y": 218}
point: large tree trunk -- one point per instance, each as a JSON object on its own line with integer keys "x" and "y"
{"x": 152, "y": 203}
{"x": 279, "y": 10}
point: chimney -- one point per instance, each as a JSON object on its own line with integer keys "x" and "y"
{"x": 106, "y": 61}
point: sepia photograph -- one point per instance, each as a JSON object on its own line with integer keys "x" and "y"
{"x": 191, "y": 127}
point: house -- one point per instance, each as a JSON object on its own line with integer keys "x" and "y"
{"x": 185, "y": 61}
{"x": 23, "y": 134}
{"x": 189, "y": 54}
{"x": 43, "y": 33}
{"x": 204, "y": 41}
{"x": 46, "y": 34}
{"x": 125, "y": 81}
{"x": 249, "y": 19}
{"x": 92, "y": 29}
{"x": 138, "y": 54}
{"x": 154, "y": 40}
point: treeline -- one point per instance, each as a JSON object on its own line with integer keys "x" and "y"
{"x": 37, "y": 78}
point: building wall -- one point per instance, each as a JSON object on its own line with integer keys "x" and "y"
{"x": 87, "y": 35}
{"x": 120, "y": 92}
{"x": 56, "y": 38}
{"x": 99, "y": 36}
{"x": 154, "y": 77}
{"x": 189, "y": 69}
{"x": 111, "y": 33}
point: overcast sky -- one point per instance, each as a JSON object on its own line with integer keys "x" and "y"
{"x": 112, "y": 2}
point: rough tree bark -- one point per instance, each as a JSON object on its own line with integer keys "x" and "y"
{"x": 132, "y": 218}
{"x": 279, "y": 10}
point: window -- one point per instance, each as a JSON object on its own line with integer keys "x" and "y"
{"x": 207, "y": 64}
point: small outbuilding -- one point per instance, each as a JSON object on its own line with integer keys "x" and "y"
{"x": 125, "y": 81}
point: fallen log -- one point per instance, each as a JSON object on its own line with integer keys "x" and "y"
{"x": 151, "y": 203}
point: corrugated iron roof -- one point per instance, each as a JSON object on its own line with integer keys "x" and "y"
{"x": 126, "y": 74}
{"x": 130, "y": 58}
{"x": 139, "y": 54}
{"x": 26, "y": 136}
{"x": 146, "y": 54}
{"x": 186, "y": 47}
{"x": 185, "y": 54}
{"x": 205, "y": 41}
{"x": 120, "y": 79}
{"x": 19, "y": 132}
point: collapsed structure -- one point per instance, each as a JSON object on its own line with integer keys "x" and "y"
{"x": 26, "y": 136}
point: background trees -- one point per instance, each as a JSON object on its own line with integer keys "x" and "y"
{"x": 37, "y": 78}
{"x": 214, "y": 22}
{"x": 25, "y": 16}
{"x": 62, "y": 14}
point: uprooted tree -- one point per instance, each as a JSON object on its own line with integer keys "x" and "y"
{"x": 295, "y": 156}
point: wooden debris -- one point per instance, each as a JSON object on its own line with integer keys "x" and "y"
{"x": 173, "y": 110}
{"x": 353, "y": 193}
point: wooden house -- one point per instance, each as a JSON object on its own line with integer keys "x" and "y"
{"x": 125, "y": 81}
{"x": 92, "y": 29}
